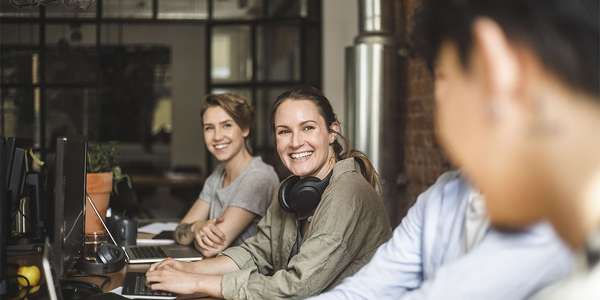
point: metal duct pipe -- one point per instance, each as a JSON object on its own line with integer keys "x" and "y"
{"x": 372, "y": 93}
{"x": 375, "y": 17}
{"x": 371, "y": 77}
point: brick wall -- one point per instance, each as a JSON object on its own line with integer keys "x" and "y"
{"x": 423, "y": 158}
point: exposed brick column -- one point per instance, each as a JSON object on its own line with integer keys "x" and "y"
{"x": 423, "y": 158}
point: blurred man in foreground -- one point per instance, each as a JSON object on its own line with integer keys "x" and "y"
{"x": 518, "y": 107}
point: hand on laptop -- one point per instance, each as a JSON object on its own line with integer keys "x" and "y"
{"x": 210, "y": 240}
{"x": 171, "y": 263}
{"x": 165, "y": 276}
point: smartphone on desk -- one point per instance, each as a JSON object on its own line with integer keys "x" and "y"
{"x": 165, "y": 235}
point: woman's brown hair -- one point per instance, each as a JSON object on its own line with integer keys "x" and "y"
{"x": 237, "y": 107}
{"x": 326, "y": 111}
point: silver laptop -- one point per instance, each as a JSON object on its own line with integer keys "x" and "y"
{"x": 151, "y": 254}
{"x": 54, "y": 290}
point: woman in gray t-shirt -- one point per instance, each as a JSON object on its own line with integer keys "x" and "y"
{"x": 237, "y": 193}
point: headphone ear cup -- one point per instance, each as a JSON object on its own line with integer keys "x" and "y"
{"x": 284, "y": 195}
{"x": 108, "y": 253}
{"x": 307, "y": 195}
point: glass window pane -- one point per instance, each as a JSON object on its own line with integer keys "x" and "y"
{"x": 286, "y": 8}
{"x": 9, "y": 10}
{"x": 265, "y": 98}
{"x": 71, "y": 9}
{"x": 18, "y": 119}
{"x": 183, "y": 9}
{"x": 246, "y": 93}
{"x": 65, "y": 112}
{"x": 19, "y": 34}
{"x": 71, "y": 54}
{"x": 17, "y": 66}
{"x": 72, "y": 34}
{"x": 264, "y": 143}
{"x": 135, "y": 100}
{"x": 230, "y": 54}
{"x": 236, "y": 9}
{"x": 127, "y": 8}
{"x": 278, "y": 53}
{"x": 312, "y": 62}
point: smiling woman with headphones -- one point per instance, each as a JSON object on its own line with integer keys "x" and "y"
{"x": 326, "y": 222}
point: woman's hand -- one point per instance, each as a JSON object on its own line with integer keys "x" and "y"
{"x": 171, "y": 263}
{"x": 210, "y": 240}
{"x": 166, "y": 277}
{"x": 184, "y": 234}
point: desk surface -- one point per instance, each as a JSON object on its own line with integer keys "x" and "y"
{"x": 116, "y": 278}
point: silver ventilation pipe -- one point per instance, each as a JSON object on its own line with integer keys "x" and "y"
{"x": 371, "y": 77}
{"x": 372, "y": 82}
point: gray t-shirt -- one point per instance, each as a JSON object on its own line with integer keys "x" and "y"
{"x": 252, "y": 190}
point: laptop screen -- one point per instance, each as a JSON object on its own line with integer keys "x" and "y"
{"x": 53, "y": 284}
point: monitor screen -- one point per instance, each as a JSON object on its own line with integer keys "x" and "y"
{"x": 69, "y": 202}
{"x": 4, "y": 220}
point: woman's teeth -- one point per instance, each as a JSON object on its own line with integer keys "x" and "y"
{"x": 300, "y": 155}
{"x": 220, "y": 146}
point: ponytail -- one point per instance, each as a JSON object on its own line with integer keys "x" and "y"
{"x": 366, "y": 166}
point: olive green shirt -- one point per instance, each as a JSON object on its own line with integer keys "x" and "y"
{"x": 346, "y": 229}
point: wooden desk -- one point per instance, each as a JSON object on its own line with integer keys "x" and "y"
{"x": 116, "y": 278}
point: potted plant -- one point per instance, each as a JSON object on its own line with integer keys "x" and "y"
{"x": 102, "y": 174}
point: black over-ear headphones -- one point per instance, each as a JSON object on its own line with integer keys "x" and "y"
{"x": 301, "y": 195}
{"x": 110, "y": 258}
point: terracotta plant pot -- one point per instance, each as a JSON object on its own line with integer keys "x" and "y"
{"x": 98, "y": 186}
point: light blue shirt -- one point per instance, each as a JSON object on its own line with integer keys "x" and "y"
{"x": 428, "y": 256}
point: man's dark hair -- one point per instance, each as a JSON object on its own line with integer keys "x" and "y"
{"x": 565, "y": 34}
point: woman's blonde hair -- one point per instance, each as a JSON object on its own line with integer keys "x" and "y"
{"x": 342, "y": 151}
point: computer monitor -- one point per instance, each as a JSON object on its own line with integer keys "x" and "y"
{"x": 4, "y": 220}
{"x": 10, "y": 143}
{"x": 20, "y": 216}
{"x": 69, "y": 203}
{"x": 28, "y": 210}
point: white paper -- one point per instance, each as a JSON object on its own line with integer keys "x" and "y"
{"x": 118, "y": 290}
{"x": 156, "y": 228}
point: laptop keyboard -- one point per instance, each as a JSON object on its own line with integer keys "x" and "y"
{"x": 146, "y": 252}
{"x": 135, "y": 285}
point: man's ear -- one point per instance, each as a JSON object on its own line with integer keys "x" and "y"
{"x": 334, "y": 129}
{"x": 498, "y": 60}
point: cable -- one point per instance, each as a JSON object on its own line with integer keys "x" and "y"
{"x": 105, "y": 279}
{"x": 73, "y": 226}
{"x": 28, "y": 287}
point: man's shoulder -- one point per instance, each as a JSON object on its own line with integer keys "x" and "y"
{"x": 446, "y": 183}
{"x": 450, "y": 188}
{"x": 449, "y": 177}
